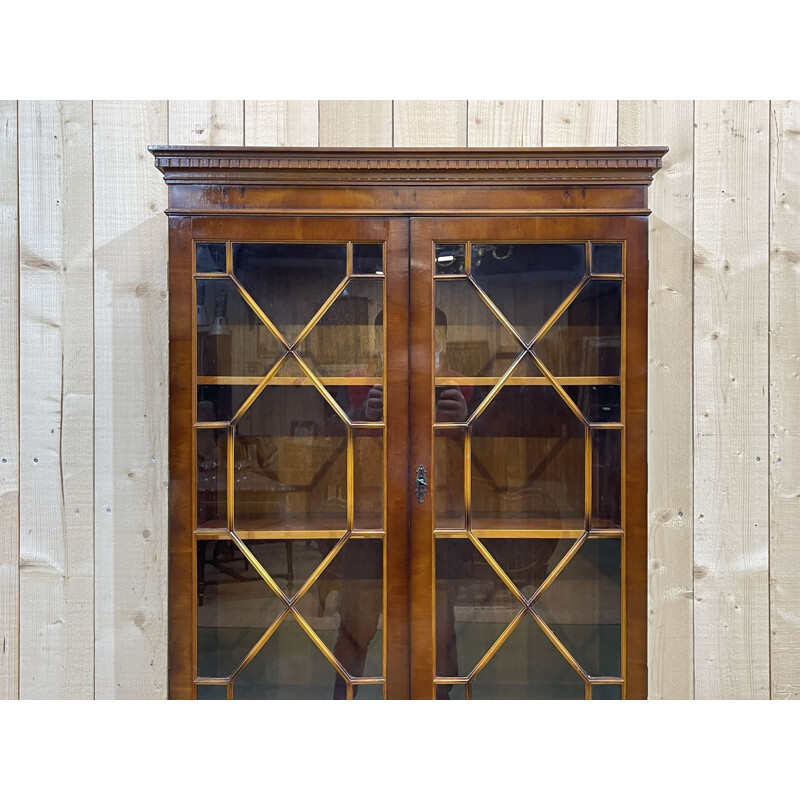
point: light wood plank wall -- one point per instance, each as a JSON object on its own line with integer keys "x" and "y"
{"x": 83, "y": 372}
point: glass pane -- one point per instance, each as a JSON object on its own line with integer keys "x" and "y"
{"x": 234, "y": 608}
{"x": 586, "y": 338}
{"x": 210, "y": 257}
{"x": 290, "y": 460}
{"x": 473, "y": 607}
{"x": 212, "y": 692}
{"x": 528, "y": 282}
{"x": 451, "y": 691}
{"x": 528, "y": 667}
{"x": 527, "y": 562}
{"x": 368, "y": 691}
{"x": 212, "y": 458}
{"x": 288, "y": 667}
{"x": 368, "y": 479}
{"x": 231, "y": 340}
{"x": 606, "y": 691}
{"x": 356, "y": 635}
{"x": 582, "y": 607}
{"x": 607, "y": 258}
{"x": 606, "y": 484}
{"x": 290, "y": 562}
{"x": 368, "y": 259}
{"x": 598, "y": 403}
{"x": 361, "y": 402}
{"x": 348, "y": 340}
{"x": 288, "y": 281}
{"x": 449, "y": 259}
{"x": 528, "y": 462}
{"x": 219, "y": 402}
{"x": 469, "y": 339}
{"x": 449, "y": 477}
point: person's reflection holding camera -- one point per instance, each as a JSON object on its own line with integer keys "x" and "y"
{"x": 361, "y": 599}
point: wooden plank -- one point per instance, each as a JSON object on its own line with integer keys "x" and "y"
{"x": 784, "y": 399}
{"x": 731, "y": 305}
{"x": 670, "y": 475}
{"x": 355, "y": 123}
{"x": 131, "y": 412}
{"x": 281, "y": 123}
{"x": 579, "y": 123}
{"x": 9, "y": 402}
{"x": 430, "y": 123}
{"x": 206, "y": 122}
{"x": 504, "y": 123}
{"x": 56, "y": 579}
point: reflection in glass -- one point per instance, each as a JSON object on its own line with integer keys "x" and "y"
{"x": 527, "y": 562}
{"x": 469, "y": 339}
{"x": 528, "y": 667}
{"x": 607, "y": 258}
{"x": 231, "y": 340}
{"x": 368, "y": 691}
{"x": 606, "y": 691}
{"x": 598, "y": 403}
{"x": 449, "y": 479}
{"x": 288, "y": 667}
{"x": 606, "y": 483}
{"x": 289, "y": 281}
{"x": 368, "y": 479}
{"x": 585, "y": 340}
{"x": 368, "y": 259}
{"x": 212, "y": 452}
{"x": 527, "y": 462}
{"x": 219, "y": 402}
{"x": 361, "y": 402}
{"x": 357, "y": 572}
{"x": 344, "y": 605}
{"x": 452, "y": 691}
{"x": 290, "y": 463}
{"x": 234, "y": 608}
{"x": 582, "y": 607}
{"x": 210, "y": 257}
{"x": 473, "y": 607}
{"x": 212, "y": 692}
{"x": 348, "y": 340}
{"x": 528, "y": 282}
{"x": 449, "y": 259}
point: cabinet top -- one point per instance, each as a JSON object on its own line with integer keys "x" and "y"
{"x": 191, "y": 164}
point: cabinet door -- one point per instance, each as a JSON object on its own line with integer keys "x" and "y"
{"x": 528, "y": 404}
{"x": 289, "y": 465}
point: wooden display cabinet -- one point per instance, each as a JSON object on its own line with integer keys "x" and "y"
{"x": 408, "y": 422}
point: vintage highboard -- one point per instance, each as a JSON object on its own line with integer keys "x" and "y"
{"x": 408, "y": 422}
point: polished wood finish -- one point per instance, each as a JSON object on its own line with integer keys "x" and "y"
{"x": 408, "y": 197}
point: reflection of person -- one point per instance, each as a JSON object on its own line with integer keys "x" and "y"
{"x": 361, "y": 561}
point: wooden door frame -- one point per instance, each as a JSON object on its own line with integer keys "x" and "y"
{"x": 259, "y": 184}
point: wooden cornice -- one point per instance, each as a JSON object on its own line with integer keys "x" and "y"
{"x": 461, "y": 166}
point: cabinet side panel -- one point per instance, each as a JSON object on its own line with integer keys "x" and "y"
{"x": 731, "y": 306}
{"x": 57, "y": 413}
{"x": 670, "y": 513}
{"x": 9, "y": 402}
{"x": 784, "y": 399}
{"x": 131, "y": 339}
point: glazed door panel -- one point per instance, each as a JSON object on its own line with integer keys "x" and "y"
{"x": 527, "y": 402}
{"x": 298, "y": 549}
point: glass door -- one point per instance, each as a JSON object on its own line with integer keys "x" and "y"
{"x": 300, "y": 413}
{"x": 527, "y": 423}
